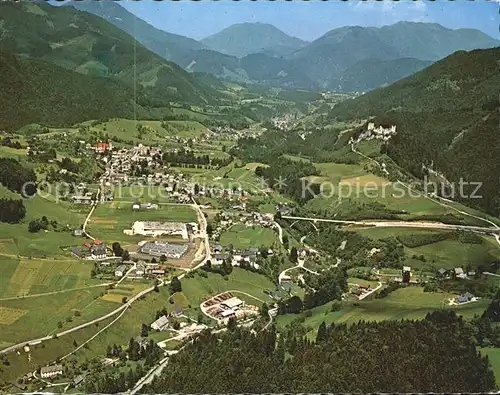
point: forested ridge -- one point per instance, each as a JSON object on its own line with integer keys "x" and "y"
{"x": 436, "y": 354}
{"x": 446, "y": 116}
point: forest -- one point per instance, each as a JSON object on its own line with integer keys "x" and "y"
{"x": 436, "y": 354}
{"x": 16, "y": 177}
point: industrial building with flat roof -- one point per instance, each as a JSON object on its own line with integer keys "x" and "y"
{"x": 152, "y": 228}
{"x": 159, "y": 248}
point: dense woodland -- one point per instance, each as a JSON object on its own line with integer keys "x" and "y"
{"x": 436, "y": 354}
{"x": 447, "y": 115}
{"x": 17, "y": 178}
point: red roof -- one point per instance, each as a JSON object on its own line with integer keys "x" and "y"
{"x": 87, "y": 244}
{"x": 97, "y": 242}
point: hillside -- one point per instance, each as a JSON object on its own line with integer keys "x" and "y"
{"x": 33, "y": 91}
{"x": 370, "y": 74}
{"x": 332, "y": 55}
{"x": 167, "y": 45}
{"x": 89, "y": 45}
{"x": 446, "y": 114}
{"x": 246, "y": 38}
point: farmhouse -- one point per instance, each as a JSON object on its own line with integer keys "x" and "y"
{"x": 81, "y": 199}
{"x": 51, "y": 371}
{"x": 98, "y": 250}
{"x": 151, "y": 228}
{"x": 233, "y": 303}
{"x": 160, "y": 324}
{"x": 120, "y": 270}
{"x": 159, "y": 248}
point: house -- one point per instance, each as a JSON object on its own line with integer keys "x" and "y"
{"x": 218, "y": 248}
{"x": 81, "y": 199}
{"x": 136, "y": 206}
{"x": 101, "y": 147}
{"x": 78, "y": 380}
{"x": 98, "y": 250}
{"x": 75, "y": 251}
{"x": 140, "y": 269}
{"x": 48, "y": 372}
{"x": 78, "y": 232}
{"x": 459, "y": 272}
{"x": 160, "y": 324}
{"x": 159, "y": 248}
{"x": 286, "y": 286}
{"x": 233, "y": 303}
{"x": 442, "y": 271}
{"x": 466, "y": 297}
{"x": 120, "y": 270}
{"x": 177, "y": 312}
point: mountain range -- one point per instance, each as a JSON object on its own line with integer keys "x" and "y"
{"x": 380, "y": 55}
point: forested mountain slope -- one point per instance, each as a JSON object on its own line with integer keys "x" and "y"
{"x": 89, "y": 45}
{"x": 446, "y": 115}
{"x": 32, "y": 91}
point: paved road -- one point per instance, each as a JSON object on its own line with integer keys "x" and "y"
{"x": 438, "y": 201}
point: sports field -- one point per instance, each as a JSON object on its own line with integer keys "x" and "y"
{"x": 242, "y": 237}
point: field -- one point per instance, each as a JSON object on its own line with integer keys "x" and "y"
{"x": 447, "y": 253}
{"x": 242, "y": 237}
{"x": 17, "y": 241}
{"x": 350, "y": 189}
{"x": 109, "y": 220}
{"x": 25, "y": 277}
{"x": 198, "y": 288}
{"x": 42, "y": 314}
{"x": 142, "y": 311}
{"x": 405, "y": 303}
{"x": 155, "y": 134}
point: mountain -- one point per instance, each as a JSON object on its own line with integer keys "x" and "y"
{"x": 192, "y": 55}
{"x": 331, "y": 56}
{"x": 88, "y": 44}
{"x": 246, "y": 38}
{"x": 447, "y": 116}
{"x": 370, "y": 74}
{"x": 32, "y": 91}
{"x": 167, "y": 45}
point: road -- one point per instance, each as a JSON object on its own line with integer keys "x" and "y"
{"x": 496, "y": 236}
{"x": 125, "y": 306}
{"x": 400, "y": 224}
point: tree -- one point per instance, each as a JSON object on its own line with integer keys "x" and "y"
{"x": 232, "y": 324}
{"x": 126, "y": 255}
{"x": 406, "y": 276}
{"x": 285, "y": 241}
{"x": 322, "y": 333}
{"x": 117, "y": 249}
{"x": 124, "y": 300}
{"x": 144, "y": 330}
{"x": 163, "y": 258}
{"x": 264, "y": 310}
{"x": 175, "y": 285}
{"x": 294, "y": 255}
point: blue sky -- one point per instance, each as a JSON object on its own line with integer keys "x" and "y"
{"x": 310, "y": 20}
